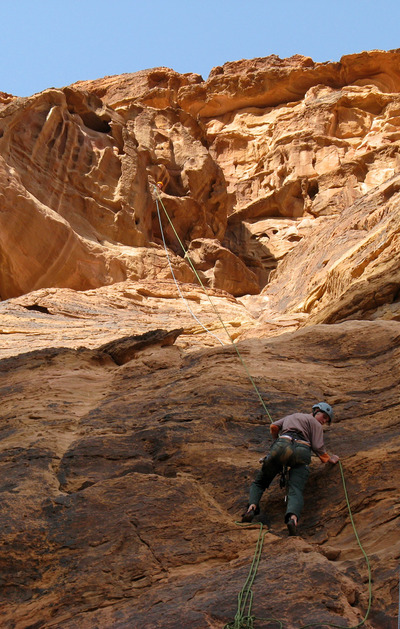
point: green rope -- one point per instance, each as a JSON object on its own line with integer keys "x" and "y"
{"x": 212, "y": 305}
{"x": 243, "y": 619}
{"x": 366, "y": 559}
{"x": 176, "y": 281}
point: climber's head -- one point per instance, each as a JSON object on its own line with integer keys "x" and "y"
{"x": 326, "y": 411}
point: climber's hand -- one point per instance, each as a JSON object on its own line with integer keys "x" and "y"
{"x": 333, "y": 458}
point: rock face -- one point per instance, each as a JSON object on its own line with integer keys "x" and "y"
{"x": 83, "y": 178}
{"x": 134, "y": 399}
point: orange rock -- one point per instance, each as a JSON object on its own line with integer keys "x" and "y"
{"x": 130, "y": 427}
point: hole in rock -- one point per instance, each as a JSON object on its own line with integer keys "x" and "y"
{"x": 258, "y": 236}
{"x": 94, "y": 122}
{"x": 313, "y": 190}
{"x": 396, "y": 296}
{"x": 38, "y": 308}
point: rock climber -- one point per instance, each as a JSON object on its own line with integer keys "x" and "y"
{"x": 294, "y": 438}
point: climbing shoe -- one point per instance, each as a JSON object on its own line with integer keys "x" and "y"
{"x": 249, "y": 514}
{"x": 292, "y": 527}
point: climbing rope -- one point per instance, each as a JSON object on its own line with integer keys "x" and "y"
{"x": 176, "y": 281}
{"x": 243, "y": 617}
{"x": 244, "y": 620}
{"x": 318, "y": 624}
{"x": 186, "y": 255}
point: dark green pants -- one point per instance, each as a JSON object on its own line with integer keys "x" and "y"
{"x": 295, "y": 456}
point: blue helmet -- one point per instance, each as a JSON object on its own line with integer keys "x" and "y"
{"x": 325, "y": 408}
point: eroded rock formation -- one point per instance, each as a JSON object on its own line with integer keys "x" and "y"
{"x": 83, "y": 178}
{"x": 130, "y": 430}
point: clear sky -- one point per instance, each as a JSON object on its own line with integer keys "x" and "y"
{"x": 52, "y": 43}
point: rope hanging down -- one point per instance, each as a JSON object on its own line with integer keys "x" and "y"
{"x": 318, "y": 624}
{"x": 158, "y": 199}
{"x": 176, "y": 281}
{"x": 244, "y": 619}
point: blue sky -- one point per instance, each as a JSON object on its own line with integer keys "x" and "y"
{"x": 52, "y": 43}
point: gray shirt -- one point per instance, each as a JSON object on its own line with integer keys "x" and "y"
{"x": 308, "y": 426}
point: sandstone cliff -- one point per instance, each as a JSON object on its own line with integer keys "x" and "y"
{"x": 130, "y": 429}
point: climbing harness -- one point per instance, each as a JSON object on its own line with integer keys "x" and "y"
{"x": 243, "y": 617}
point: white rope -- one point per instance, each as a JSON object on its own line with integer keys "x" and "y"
{"x": 211, "y": 303}
{"x": 176, "y": 282}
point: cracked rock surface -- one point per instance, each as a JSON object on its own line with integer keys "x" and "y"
{"x": 130, "y": 430}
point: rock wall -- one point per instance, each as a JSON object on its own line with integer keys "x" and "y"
{"x": 83, "y": 178}
{"x": 130, "y": 429}
{"x": 252, "y": 161}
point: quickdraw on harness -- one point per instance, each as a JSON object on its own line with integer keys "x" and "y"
{"x": 284, "y": 479}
